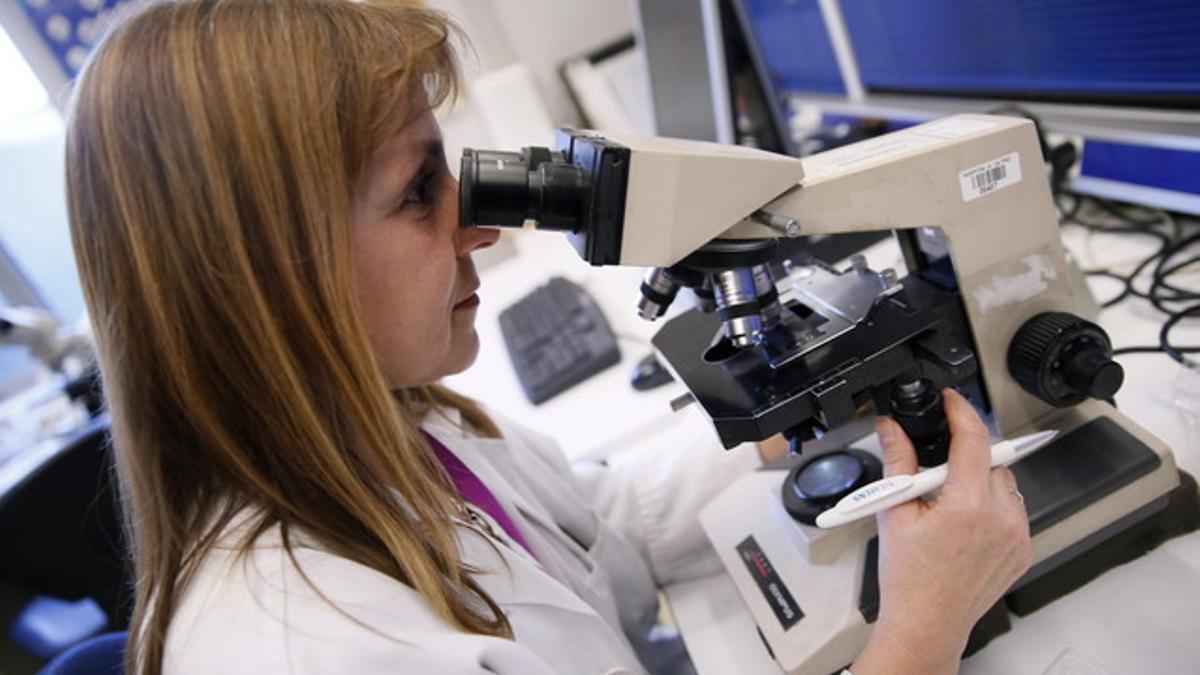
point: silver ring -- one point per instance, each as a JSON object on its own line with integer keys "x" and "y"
{"x": 1016, "y": 493}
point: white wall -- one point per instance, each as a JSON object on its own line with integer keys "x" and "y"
{"x": 541, "y": 34}
{"x": 515, "y": 95}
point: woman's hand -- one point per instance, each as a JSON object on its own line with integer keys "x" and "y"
{"x": 944, "y": 562}
{"x": 772, "y": 448}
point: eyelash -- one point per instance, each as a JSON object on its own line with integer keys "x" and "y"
{"x": 421, "y": 194}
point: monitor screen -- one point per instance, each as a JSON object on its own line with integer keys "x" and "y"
{"x": 1141, "y": 52}
{"x": 791, "y": 40}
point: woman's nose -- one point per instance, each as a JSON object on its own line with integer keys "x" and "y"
{"x": 475, "y": 238}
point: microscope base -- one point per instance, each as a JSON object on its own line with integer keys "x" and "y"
{"x": 1096, "y": 498}
{"x": 1175, "y": 514}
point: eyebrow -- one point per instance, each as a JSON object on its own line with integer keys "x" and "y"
{"x": 425, "y": 148}
{"x": 432, "y": 147}
{"x": 395, "y": 178}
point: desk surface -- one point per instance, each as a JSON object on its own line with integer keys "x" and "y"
{"x": 1140, "y": 617}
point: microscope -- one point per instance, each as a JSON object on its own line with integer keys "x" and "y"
{"x": 780, "y": 342}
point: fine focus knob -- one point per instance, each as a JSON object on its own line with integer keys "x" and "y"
{"x": 1063, "y": 360}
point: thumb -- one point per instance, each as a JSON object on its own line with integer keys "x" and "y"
{"x": 899, "y": 455}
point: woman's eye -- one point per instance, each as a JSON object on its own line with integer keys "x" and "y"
{"x": 420, "y": 195}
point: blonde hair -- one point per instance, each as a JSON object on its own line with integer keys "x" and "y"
{"x": 211, "y": 151}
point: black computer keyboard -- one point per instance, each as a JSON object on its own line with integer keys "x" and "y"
{"x": 557, "y": 337}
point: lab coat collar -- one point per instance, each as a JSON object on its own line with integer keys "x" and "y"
{"x": 489, "y": 459}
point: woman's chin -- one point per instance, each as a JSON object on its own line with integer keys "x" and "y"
{"x": 463, "y": 355}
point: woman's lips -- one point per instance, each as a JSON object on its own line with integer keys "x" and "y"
{"x": 470, "y": 302}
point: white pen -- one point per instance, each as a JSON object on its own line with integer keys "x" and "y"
{"x": 892, "y": 490}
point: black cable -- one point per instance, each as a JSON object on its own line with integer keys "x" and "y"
{"x": 1177, "y": 352}
{"x": 1115, "y": 209}
{"x": 1164, "y": 242}
{"x": 1162, "y": 294}
{"x": 1160, "y": 274}
{"x": 1190, "y": 262}
{"x": 1164, "y": 343}
{"x": 1156, "y": 349}
{"x": 1112, "y": 275}
{"x": 1068, "y": 216}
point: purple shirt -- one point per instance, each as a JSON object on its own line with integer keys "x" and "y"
{"x": 474, "y": 491}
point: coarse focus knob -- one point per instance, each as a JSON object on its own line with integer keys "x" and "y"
{"x": 1063, "y": 360}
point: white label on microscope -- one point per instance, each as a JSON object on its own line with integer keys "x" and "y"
{"x": 990, "y": 176}
{"x": 862, "y": 154}
{"x": 955, "y": 127}
{"x": 1016, "y": 286}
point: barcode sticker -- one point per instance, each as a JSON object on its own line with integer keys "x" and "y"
{"x": 991, "y": 176}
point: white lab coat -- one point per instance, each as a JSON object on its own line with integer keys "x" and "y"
{"x": 604, "y": 535}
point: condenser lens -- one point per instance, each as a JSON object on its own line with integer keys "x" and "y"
{"x": 828, "y": 476}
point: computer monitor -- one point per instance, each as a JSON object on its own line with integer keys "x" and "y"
{"x": 701, "y": 69}
{"x": 1118, "y": 52}
{"x": 671, "y": 36}
{"x": 1121, "y": 77}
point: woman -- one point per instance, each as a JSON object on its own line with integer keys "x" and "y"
{"x": 266, "y": 231}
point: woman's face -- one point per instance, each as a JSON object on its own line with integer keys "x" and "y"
{"x": 412, "y": 262}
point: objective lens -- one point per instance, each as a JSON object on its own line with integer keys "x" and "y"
{"x": 737, "y": 303}
{"x": 658, "y": 292}
{"x": 768, "y": 296}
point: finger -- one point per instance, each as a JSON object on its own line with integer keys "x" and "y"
{"x": 1013, "y": 511}
{"x": 1004, "y": 486}
{"x": 970, "y": 450}
{"x": 899, "y": 455}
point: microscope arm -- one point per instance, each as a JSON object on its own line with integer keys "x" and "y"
{"x": 1003, "y": 241}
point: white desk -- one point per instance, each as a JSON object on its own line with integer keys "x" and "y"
{"x": 1143, "y": 617}
{"x": 599, "y": 416}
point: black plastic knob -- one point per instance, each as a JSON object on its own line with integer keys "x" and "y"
{"x": 917, "y": 407}
{"x": 1064, "y": 360}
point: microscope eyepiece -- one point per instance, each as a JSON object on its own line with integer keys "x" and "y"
{"x": 491, "y": 188}
{"x": 577, "y": 188}
{"x": 507, "y": 188}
